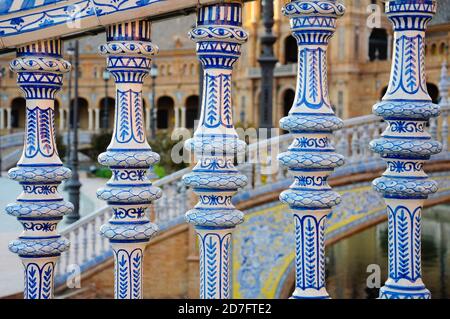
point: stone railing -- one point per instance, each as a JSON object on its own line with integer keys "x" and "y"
{"x": 89, "y": 248}
{"x": 11, "y": 140}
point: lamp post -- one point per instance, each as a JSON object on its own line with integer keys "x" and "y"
{"x": 73, "y": 184}
{"x": 2, "y": 74}
{"x": 105, "y": 117}
{"x": 153, "y": 113}
{"x": 267, "y": 61}
{"x": 70, "y": 53}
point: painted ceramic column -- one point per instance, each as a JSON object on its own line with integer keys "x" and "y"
{"x": 129, "y": 192}
{"x": 311, "y": 157}
{"x": 405, "y": 145}
{"x": 39, "y": 208}
{"x": 215, "y": 180}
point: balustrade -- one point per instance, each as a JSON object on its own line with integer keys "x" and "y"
{"x": 405, "y": 145}
{"x": 129, "y": 192}
{"x": 39, "y": 208}
{"x": 215, "y": 143}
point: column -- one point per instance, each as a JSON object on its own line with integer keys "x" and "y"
{"x": 214, "y": 179}
{"x": 177, "y": 117}
{"x": 147, "y": 118}
{"x": 389, "y": 48}
{"x": 405, "y": 145}
{"x": 129, "y": 192}
{"x": 311, "y": 157}
{"x": 8, "y": 118}
{"x": 183, "y": 116}
{"x": 97, "y": 119}
{"x": 90, "y": 119}
{"x": 39, "y": 208}
{"x": 62, "y": 114}
{"x": 2, "y": 118}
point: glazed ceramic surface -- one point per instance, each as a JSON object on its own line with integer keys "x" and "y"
{"x": 214, "y": 179}
{"x": 405, "y": 145}
{"x": 129, "y": 192}
{"x": 311, "y": 157}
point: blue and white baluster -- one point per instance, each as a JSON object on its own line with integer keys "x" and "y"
{"x": 40, "y": 68}
{"x": 129, "y": 192}
{"x": 405, "y": 145}
{"x": 311, "y": 157}
{"x": 215, "y": 179}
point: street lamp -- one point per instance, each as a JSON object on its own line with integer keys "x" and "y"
{"x": 73, "y": 184}
{"x": 105, "y": 117}
{"x": 70, "y": 53}
{"x": 153, "y": 113}
{"x": 2, "y": 74}
{"x": 267, "y": 60}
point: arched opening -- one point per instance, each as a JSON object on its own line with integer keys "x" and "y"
{"x": 378, "y": 44}
{"x": 383, "y": 92}
{"x": 433, "y": 49}
{"x": 290, "y": 50}
{"x": 57, "y": 113}
{"x": 18, "y": 106}
{"x": 433, "y": 91}
{"x": 288, "y": 100}
{"x": 110, "y": 109}
{"x": 164, "y": 118}
{"x": 82, "y": 113}
{"x": 192, "y": 105}
{"x": 442, "y": 48}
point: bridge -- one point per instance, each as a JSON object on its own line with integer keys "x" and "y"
{"x": 263, "y": 257}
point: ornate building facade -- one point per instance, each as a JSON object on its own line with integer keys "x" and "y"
{"x": 359, "y": 63}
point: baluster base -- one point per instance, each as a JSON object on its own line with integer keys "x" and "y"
{"x": 38, "y": 276}
{"x": 404, "y": 292}
{"x": 310, "y": 294}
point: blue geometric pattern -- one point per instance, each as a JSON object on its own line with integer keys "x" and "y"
{"x": 40, "y": 207}
{"x": 214, "y": 178}
{"x": 405, "y": 145}
{"x": 129, "y": 192}
{"x": 311, "y": 157}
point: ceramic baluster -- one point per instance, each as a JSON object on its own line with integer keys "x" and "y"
{"x": 405, "y": 145}
{"x": 311, "y": 157}
{"x": 219, "y": 36}
{"x": 39, "y": 208}
{"x": 129, "y": 192}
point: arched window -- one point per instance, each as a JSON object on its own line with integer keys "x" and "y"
{"x": 433, "y": 91}
{"x": 378, "y": 44}
{"x": 442, "y": 48}
{"x": 18, "y": 106}
{"x": 165, "y": 111}
{"x": 192, "y": 107}
{"x": 288, "y": 101}
{"x": 433, "y": 49}
{"x": 290, "y": 50}
{"x": 110, "y": 102}
{"x": 82, "y": 113}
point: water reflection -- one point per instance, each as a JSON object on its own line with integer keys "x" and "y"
{"x": 348, "y": 259}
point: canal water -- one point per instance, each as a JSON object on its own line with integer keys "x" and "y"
{"x": 347, "y": 260}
